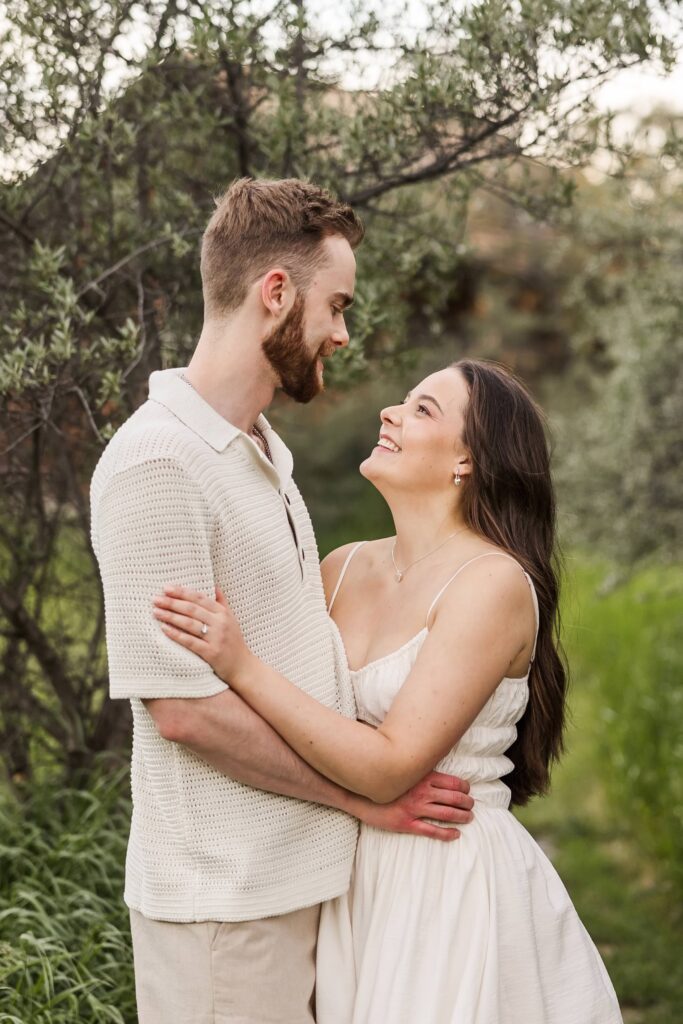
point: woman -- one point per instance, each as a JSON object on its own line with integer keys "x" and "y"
{"x": 449, "y": 630}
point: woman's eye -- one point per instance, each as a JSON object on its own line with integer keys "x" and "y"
{"x": 420, "y": 407}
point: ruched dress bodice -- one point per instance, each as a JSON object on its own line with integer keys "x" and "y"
{"x": 479, "y": 756}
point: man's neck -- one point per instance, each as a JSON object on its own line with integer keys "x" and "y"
{"x": 236, "y": 380}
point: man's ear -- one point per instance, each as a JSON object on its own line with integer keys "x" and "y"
{"x": 276, "y": 287}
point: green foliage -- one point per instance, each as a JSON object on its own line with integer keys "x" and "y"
{"x": 611, "y": 822}
{"x": 621, "y": 440}
{"x": 65, "y": 957}
{"x": 50, "y": 716}
{"x": 625, "y": 649}
{"x": 131, "y": 157}
{"x": 119, "y": 122}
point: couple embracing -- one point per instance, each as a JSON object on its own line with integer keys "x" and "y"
{"x": 411, "y": 684}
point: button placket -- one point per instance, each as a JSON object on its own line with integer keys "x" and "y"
{"x": 264, "y": 464}
{"x": 301, "y": 554}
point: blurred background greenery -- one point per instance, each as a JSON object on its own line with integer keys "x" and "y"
{"x": 510, "y": 217}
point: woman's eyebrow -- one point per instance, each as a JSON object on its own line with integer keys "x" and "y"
{"x": 426, "y": 398}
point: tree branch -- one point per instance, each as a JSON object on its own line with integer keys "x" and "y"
{"x": 165, "y": 240}
{"x": 39, "y": 645}
{"x": 448, "y": 162}
{"x": 25, "y": 236}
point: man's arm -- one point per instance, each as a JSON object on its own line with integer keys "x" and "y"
{"x": 225, "y": 732}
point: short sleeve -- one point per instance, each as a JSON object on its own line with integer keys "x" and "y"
{"x": 152, "y": 527}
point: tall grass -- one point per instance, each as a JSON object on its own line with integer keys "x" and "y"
{"x": 65, "y": 946}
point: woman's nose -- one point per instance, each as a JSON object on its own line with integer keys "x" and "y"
{"x": 391, "y": 414}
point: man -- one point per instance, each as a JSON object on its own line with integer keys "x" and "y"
{"x": 235, "y": 841}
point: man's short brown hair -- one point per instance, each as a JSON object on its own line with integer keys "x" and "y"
{"x": 258, "y": 224}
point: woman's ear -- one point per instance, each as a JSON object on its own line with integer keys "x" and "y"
{"x": 461, "y": 469}
{"x": 462, "y": 466}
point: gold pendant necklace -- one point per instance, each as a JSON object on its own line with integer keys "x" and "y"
{"x": 400, "y": 573}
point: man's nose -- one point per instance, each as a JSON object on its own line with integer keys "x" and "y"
{"x": 341, "y": 337}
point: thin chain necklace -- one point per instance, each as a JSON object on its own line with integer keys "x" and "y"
{"x": 260, "y": 436}
{"x": 400, "y": 573}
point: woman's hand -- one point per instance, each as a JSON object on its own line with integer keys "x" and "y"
{"x": 205, "y": 627}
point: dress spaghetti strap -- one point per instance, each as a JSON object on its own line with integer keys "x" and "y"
{"x": 342, "y": 574}
{"x": 534, "y": 598}
{"x": 476, "y": 558}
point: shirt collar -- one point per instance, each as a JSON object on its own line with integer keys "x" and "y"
{"x": 169, "y": 389}
{"x": 282, "y": 457}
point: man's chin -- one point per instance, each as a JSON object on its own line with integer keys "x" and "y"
{"x": 304, "y": 392}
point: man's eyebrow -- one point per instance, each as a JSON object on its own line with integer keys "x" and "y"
{"x": 344, "y": 298}
{"x": 426, "y": 398}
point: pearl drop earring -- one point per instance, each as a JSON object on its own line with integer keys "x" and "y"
{"x": 457, "y": 481}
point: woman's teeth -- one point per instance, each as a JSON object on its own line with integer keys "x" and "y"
{"x": 389, "y": 445}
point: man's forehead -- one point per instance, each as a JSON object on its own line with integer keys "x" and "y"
{"x": 336, "y": 281}
{"x": 339, "y": 260}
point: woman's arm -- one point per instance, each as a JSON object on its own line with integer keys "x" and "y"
{"x": 230, "y": 736}
{"x": 478, "y": 631}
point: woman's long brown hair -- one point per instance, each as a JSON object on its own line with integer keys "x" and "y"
{"x": 509, "y": 499}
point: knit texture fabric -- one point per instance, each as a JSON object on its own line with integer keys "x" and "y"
{"x": 181, "y": 496}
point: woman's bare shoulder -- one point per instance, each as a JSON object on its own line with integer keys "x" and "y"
{"x": 332, "y": 564}
{"x": 488, "y": 563}
{"x": 489, "y": 590}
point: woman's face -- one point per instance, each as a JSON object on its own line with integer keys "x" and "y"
{"x": 419, "y": 444}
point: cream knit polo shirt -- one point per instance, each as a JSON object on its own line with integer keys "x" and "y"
{"x": 182, "y": 496}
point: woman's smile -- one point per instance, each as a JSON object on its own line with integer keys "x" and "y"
{"x": 385, "y": 443}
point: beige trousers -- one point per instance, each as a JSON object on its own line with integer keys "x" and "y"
{"x": 249, "y": 972}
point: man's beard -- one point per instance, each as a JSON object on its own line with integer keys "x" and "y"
{"x": 286, "y": 351}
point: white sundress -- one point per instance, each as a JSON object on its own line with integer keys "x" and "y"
{"x": 478, "y": 931}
